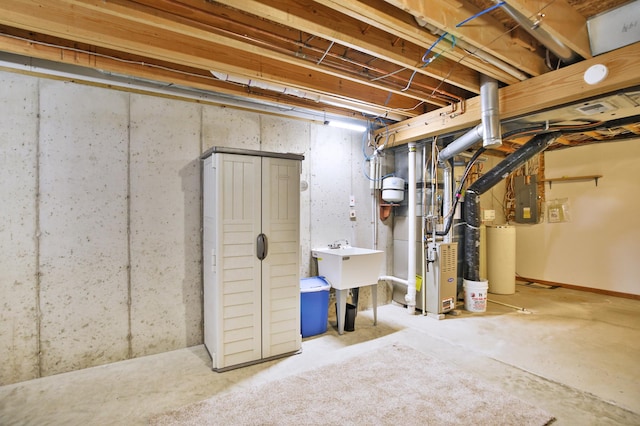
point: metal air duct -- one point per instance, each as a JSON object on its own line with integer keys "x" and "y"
{"x": 558, "y": 48}
{"x": 488, "y": 130}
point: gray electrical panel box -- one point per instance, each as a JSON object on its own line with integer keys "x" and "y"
{"x": 526, "y": 191}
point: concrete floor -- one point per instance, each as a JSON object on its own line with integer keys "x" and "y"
{"x": 575, "y": 354}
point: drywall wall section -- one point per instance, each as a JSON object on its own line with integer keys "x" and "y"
{"x": 493, "y": 199}
{"x": 19, "y": 343}
{"x": 600, "y": 245}
{"x": 165, "y": 222}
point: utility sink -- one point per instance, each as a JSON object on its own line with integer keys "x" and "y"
{"x": 349, "y": 267}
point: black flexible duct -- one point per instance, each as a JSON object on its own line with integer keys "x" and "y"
{"x": 472, "y": 198}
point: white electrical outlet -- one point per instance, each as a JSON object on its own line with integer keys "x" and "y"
{"x": 489, "y": 215}
{"x": 352, "y": 214}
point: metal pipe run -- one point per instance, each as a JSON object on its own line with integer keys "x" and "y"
{"x": 558, "y": 48}
{"x": 488, "y": 130}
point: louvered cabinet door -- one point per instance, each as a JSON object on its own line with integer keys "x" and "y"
{"x": 281, "y": 266}
{"x": 235, "y": 294}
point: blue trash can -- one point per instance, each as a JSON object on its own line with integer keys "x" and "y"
{"x": 314, "y": 306}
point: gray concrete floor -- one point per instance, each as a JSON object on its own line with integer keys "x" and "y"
{"x": 574, "y": 354}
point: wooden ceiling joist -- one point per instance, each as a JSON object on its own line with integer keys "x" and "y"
{"x": 546, "y": 91}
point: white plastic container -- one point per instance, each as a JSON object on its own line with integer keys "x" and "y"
{"x": 393, "y": 189}
{"x": 475, "y": 295}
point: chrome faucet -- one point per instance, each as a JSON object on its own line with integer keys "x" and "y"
{"x": 339, "y": 243}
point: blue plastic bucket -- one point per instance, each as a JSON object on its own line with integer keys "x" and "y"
{"x": 314, "y": 306}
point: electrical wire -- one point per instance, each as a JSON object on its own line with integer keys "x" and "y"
{"x": 376, "y": 149}
{"x": 482, "y": 12}
{"x": 458, "y": 192}
{"x": 426, "y": 61}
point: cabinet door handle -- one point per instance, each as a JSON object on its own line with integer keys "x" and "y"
{"x": 262, "y": 246}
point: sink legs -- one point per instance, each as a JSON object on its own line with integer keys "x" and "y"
{"x": 341, "y": 303}
{"x": 374, "y": 299}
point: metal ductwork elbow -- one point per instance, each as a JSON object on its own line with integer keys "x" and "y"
{"x": 488, "y": 130}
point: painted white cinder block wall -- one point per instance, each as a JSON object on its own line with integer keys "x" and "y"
{"x": 100, "y": 247}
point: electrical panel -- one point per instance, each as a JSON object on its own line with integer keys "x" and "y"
{"x": 442, "y": 279}
{"x": 526, "y": 195}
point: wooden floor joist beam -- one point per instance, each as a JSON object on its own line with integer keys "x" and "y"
{"x": 550, "y": 90}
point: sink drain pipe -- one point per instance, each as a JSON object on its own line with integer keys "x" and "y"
{"x": 472, "y": 198}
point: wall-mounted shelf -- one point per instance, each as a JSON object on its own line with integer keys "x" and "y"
{"x": 573, "y": 178}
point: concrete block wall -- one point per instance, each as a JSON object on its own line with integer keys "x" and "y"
{"x": 100, "y": 247}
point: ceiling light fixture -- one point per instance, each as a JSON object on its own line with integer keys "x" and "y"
{"x": 595, "y": 74}
{"x": 349, "y": 126}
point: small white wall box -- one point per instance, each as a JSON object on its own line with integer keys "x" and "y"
{"x": 615, "y": 28}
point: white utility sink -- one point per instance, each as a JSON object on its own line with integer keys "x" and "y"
{"x": 349, "y": 267}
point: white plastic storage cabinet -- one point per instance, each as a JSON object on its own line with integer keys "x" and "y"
{"x": 251, "y": 255}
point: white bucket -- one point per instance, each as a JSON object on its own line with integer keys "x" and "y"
{"x": 475, "y": 295}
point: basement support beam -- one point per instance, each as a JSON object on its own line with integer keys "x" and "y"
{"x": 550, "y": 90}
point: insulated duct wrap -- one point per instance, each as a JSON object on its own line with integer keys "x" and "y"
{"x": 472, "y": 198}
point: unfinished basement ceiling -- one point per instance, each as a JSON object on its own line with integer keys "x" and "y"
{"x": 393, "y": 61}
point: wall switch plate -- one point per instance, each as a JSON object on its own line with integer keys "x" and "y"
{"x": 352, "y": 201}
{"x": 489, "y": 215}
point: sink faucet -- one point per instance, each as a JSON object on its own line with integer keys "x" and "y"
{"x": 339, "y": 243}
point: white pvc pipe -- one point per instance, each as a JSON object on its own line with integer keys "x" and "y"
{"x": 423, "y": 170}
{"x": 447, "y": 199}
{"x": 410, "y": 297}
{"x": 394, "y": 279}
